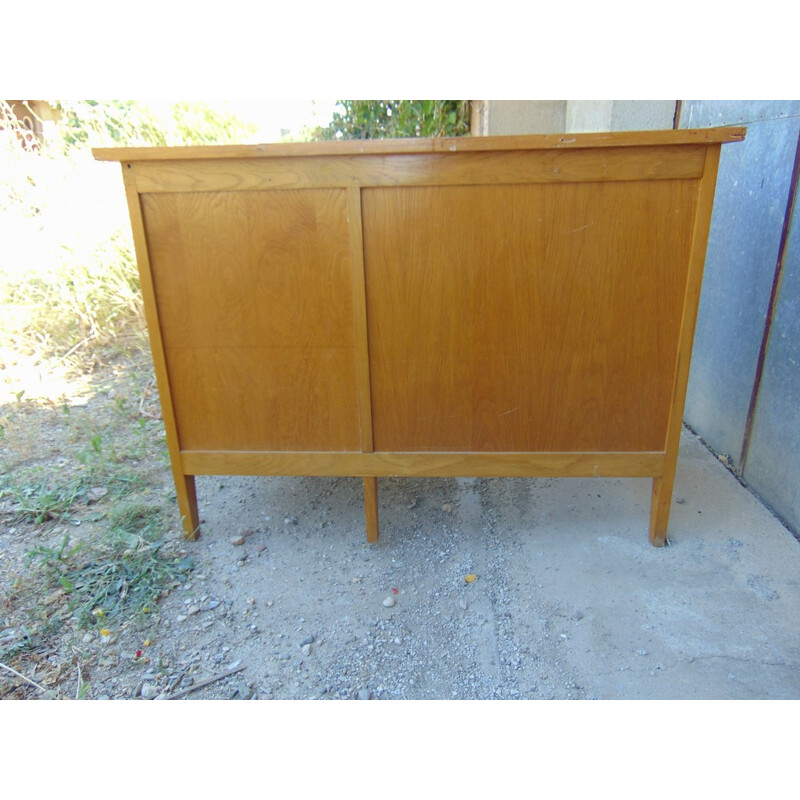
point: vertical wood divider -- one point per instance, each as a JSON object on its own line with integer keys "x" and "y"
{"x": 663, "y": 485}
{"x": 184, "y": 484}
{"x": 362, "y": 353}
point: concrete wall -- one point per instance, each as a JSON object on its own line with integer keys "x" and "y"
{"x": 619, "y": 115}
{"x": 501, "y": 117}
{"x": 744, "y": 386}
{"x": 509, "y": 117}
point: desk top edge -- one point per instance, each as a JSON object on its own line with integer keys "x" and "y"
{"x": 355, "y": 147}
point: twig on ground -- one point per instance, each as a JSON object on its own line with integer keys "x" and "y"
{"x": 150, "y": 385}
{"x": 20, "y": 675}
{"x": 200, "y": 684}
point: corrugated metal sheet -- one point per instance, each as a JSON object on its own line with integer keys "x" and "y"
{"x": 746, "y": 226}
{"x": 772, "y": 467}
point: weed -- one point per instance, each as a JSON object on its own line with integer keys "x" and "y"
{"x": 37, "y": 496}
{"x": 135, "y": 517}
{"x": 111, "y": 582}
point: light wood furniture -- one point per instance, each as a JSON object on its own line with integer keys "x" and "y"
{"x": 500, "y": 306}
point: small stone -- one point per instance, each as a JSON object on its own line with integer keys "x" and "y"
{"x": 192, "y": 610}
{"x": 463, "y": 604}
{"x": 245, "y": 532}
{"x": 577, "y": 616}
{"x": 306, "y": 650}
{"x": 307, "y": 640}
{"x": 11, "y": 634}
{"x": 150, "y": 691}
{"x": 181, "y": 618}
{"x": 245, "y": 693}
{"x": 51, "y": 598}
{"x": 237, "y": 540}
{"x": 95, "y": 493}
{"x": 389, "y": 601}
{"x": 364, "y": 694}
{"x": 448, "y": 507}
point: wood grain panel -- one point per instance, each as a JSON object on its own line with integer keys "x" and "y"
{"x": 424, "y": 169}
{"x": 256, "y": 269}
{"x": 550, "y": 141}
{"x": 479, "y": 465}
{"x": 254, "y": 298}
{"x": 662, "y": 486}
{"x": 278, "y": 398}
{"x": 527, "y": 318}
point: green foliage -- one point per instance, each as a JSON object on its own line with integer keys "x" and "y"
{"x": 114, "y": 122}
{"x": 122, "y": 576}
{"x": 69, "y": 286}
{"x": 38, "y": 496}
{"x": 392, "y": 119}
{"x": 118, "y": 123}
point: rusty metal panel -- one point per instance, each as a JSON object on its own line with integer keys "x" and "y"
{"x": 772, "y": 467}
{"x": 744, "y": 240}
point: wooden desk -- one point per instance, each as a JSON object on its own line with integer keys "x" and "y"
{"x": 499, "y": 306}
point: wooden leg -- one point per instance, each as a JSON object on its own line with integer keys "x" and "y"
{"x": 187, "y": 504}
{"x": 371, "y": 508}
{"x": 660, "y": 507}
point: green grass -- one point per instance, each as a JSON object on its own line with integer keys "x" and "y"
{"x": 83, "y": 462}
{"x": 38, "y": 496}
{"x": 114, "y": 581}
{"x": 106, "y": 585}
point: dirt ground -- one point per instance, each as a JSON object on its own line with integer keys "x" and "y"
{"x": 281, "y": 596}
{"x": 477, "y": 590}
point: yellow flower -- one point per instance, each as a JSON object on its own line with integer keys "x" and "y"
{"x": 105, "y": 632}
{"x": 99, "y": 613}
{"x": 147, "y": 643}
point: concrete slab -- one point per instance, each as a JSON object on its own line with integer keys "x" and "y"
{"x": 570, "y": 599}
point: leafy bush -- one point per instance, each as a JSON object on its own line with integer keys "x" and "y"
{"x": 69, "y": 285}
{"x": 386, "y": 119}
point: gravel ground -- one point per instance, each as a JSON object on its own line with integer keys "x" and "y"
{"x": 486, "y": 590}
{"x": 315, "y": 612}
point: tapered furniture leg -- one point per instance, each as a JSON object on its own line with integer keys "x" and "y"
{"x": 187, "y": 504}
{"x": 660, "y": 508}
{"x": 371, "y": 508}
